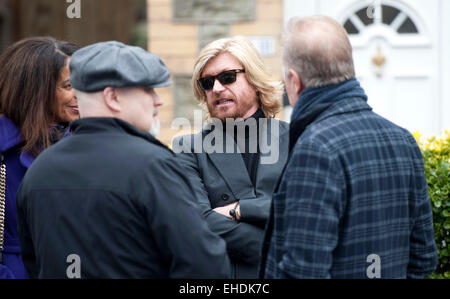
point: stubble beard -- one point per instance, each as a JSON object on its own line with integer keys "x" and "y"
{"x": 222, "y": 113}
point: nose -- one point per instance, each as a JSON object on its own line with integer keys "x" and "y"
{"x": 218, "y": 87}
{"x": 74, "y": 95}
{"x": 157, "y": 100}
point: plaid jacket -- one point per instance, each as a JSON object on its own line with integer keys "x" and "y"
{"x": 352, "y": 202}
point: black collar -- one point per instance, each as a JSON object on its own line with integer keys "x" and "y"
{"x": 111, "y": 125}
{"x": 258, "y": 114}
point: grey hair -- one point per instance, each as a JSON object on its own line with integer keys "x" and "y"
{"x": 319, "y": 50}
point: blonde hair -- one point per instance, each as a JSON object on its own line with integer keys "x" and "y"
{"x": 269, "y": 90}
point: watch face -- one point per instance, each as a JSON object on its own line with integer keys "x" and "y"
{"x": 233, "y": 214}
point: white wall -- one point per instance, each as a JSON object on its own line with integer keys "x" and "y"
{"x": 445, "y": 58}
{"x": 433, "y": 15}
{"x": 299, "y": 8}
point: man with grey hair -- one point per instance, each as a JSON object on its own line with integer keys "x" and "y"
{"x": 352, "y": 201}
{"x": 115, "y": 202}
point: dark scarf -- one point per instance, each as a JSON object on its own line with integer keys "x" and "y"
{"x": 314, "y": 101}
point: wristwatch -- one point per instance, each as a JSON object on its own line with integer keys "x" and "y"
{"x": 233, "y": 212}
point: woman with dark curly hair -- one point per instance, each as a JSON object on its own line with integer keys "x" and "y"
{"x": 37, "y": 103}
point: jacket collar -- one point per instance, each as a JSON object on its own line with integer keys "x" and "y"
{"x": 9, "y": 134}
{"x": 317, "y": 103}
{"x": 322, "y": 111}
{"x": 231, "y": 165}
{"x": 350, "y": 105}
{"x": 111, "y": 125}
{"x": 10, "y": 137}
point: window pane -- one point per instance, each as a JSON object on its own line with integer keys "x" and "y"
{"x": 408, "y": 27}
{"x": 389, "y": 14}
{"x": 351, "y": 29}
{"x": 363, "y": 16}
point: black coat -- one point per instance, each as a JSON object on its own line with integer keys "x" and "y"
{"x": 116, "y": 198}
{"x": 221, "y": 178}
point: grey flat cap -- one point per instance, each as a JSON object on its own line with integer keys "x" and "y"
{"x": 114, "y": 64}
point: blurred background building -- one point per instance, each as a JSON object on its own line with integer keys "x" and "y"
{"x": 401, "y": 53}
{"x": 101, "y": 20}
{"x": 178, "y": 29}
{"x": 400, "y": 47}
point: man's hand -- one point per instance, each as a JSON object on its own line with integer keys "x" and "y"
{"x": 225, "y": 211}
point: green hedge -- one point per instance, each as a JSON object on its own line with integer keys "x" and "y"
{"x": 436, "y": 154}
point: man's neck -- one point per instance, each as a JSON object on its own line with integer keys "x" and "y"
{"x": 258, "y": 114}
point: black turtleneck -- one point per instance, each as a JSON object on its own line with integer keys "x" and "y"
{"x": 251, "y": 160}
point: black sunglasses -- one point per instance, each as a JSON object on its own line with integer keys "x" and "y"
{"x": 225, "y": 78}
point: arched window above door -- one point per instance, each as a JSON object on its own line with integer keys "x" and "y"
{"x": 388, "y": 15}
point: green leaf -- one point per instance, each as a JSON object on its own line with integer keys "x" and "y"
{"x": 445, "y": 252}
{"x": 437, "y": 170}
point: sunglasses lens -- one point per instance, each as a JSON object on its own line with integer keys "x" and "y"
{"x": 207, "y": 83}
{"x": 224, "y": 78}
{"x": 227, "y": 78}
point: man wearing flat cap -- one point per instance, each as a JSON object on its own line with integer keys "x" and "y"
{"x": 111, "y": 201}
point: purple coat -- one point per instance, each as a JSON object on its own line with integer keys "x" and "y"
{"x": 16, "y": 166}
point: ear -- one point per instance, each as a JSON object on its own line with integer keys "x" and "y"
{"x": 294, "y": 86}
{"x": 296, "y": 81}
{"x": 111, "y": 99}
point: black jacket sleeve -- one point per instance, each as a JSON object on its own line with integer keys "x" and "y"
{"x": 181, "y": 232}
{"x": 256, "y": 211}
{"x": 26, "y": 243}
{"x": 244, "y": 240}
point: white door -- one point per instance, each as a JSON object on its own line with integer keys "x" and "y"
{"x": 396, "y": 51}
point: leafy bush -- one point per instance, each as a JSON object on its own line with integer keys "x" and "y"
{"x": 436, "y": 155}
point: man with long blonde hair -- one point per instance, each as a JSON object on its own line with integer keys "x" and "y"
{"x": 234, "y": 185}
